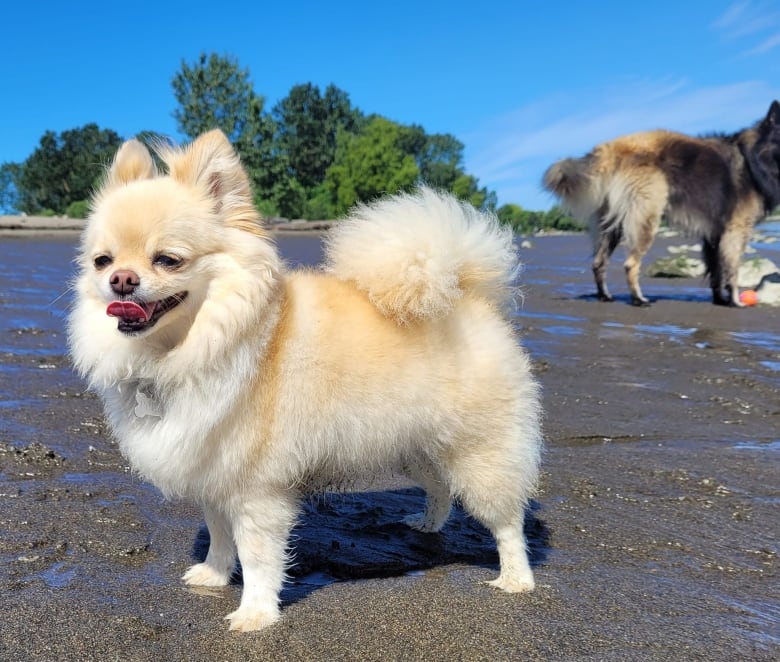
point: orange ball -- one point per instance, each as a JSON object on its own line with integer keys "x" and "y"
{"x": 748, "y": 297}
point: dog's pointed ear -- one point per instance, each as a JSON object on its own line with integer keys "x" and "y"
{"x": 211, "y": 164}
{"x": 772, "y": 119}
{"x": 132, "y": 161}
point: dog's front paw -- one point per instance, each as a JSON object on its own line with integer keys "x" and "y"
{"x": 202, "y": 574}
{"x": 249, "y": 620}
{"x": 511, "y": 584}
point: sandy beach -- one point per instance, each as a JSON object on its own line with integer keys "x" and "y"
{"x": 654, "y": 535}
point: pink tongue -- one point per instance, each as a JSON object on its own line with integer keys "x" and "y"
{"x": 126, "y": 310}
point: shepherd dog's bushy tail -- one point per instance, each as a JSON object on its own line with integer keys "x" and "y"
{"x": 416, "y": 254}
{"x": 574, "y": 182}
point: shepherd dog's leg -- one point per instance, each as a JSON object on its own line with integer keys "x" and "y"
{"x": 640, "y": 243}
{"x": 710, "y": 250}
{"x": 606, "y": 242}
{"x": 732, "y": 247}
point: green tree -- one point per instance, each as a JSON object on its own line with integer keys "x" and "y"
{"x": 305, "y": 155}
{"x": 320, "y": 204}
{"x": 466, "y": 187}
{"x": 439, "y": 158}
{"x": 510, "y": 214}
{"x": 307, "y": 125}
{"x": 558, "y": 219}
{"x": 524, "y": 221}
{"x": 77, "y": 209}
{"x": 215, "y": 92}
{"x": 64, "y": 168}
{"x": 369, "y": 164}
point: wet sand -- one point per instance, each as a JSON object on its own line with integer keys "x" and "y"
{"x": 654, "y": 534}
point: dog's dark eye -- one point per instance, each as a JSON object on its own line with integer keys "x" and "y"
{"x": 167, "y": 261}
{"x": 102, "y": 261}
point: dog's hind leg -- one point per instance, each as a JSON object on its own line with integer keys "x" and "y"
{"x": 503, "y": 517}
{"x": 437, "y": 495}
{"x": 493, "y": 491}
{"x": 607, "y": 241}
{"x": 638, "y": 245}
{"x": 732, "y": 248}
{"x": 710, "y": 251}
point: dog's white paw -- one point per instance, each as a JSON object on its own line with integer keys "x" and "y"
{"x": 202, "y": 574}
{"x": 513, "y": 584}
{"x": 419, "y": 522}
{"x": 249, "y": 620}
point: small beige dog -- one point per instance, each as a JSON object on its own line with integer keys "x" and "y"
{"x": 233, "y": 382}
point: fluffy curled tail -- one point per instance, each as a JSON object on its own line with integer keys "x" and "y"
{"x": 416, "y": 254}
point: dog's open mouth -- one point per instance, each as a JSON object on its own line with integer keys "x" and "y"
{"x": 135, "y": 317}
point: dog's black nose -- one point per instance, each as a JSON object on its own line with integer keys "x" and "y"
{"x": 124, "y": 281}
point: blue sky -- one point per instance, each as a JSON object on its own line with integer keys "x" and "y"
{"x": 520, "y": 83}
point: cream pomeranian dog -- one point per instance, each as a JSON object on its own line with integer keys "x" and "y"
{"x": 238, "y": 384}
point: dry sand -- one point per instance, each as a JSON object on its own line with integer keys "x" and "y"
{"x": 654, "y": 534}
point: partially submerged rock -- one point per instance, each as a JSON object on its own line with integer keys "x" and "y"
{"x": 684, "y": 248}
{"x": 678, "y": 266}
{"x": 752, "y": 270}
{"x": 768, "y": 289}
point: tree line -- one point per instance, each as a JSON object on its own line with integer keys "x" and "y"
{"x": 312, "y": 155}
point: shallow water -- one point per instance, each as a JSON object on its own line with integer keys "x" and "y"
{"x": 770, "y": 230}
{"x": 35, "y": 297}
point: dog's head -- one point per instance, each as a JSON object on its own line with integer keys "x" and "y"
{"x": 151, "y": 241}
{"x": 172, "y": 261}
{"x": 764, "y": 156}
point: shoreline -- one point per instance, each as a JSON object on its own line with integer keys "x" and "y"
{"x": 42, "y": 225}
{"x": 18, "y": 224}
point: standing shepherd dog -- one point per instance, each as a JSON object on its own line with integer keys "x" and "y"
{"x": 715, "y": 188}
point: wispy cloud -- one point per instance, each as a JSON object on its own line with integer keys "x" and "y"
{"x": 769, "y": 44}
{"x": 749, "y": 22}
{"x": 731, "y": 16}
{"x": 510, "y": 153}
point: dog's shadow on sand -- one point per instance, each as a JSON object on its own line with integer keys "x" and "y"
{"x": 362, "y": 535}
